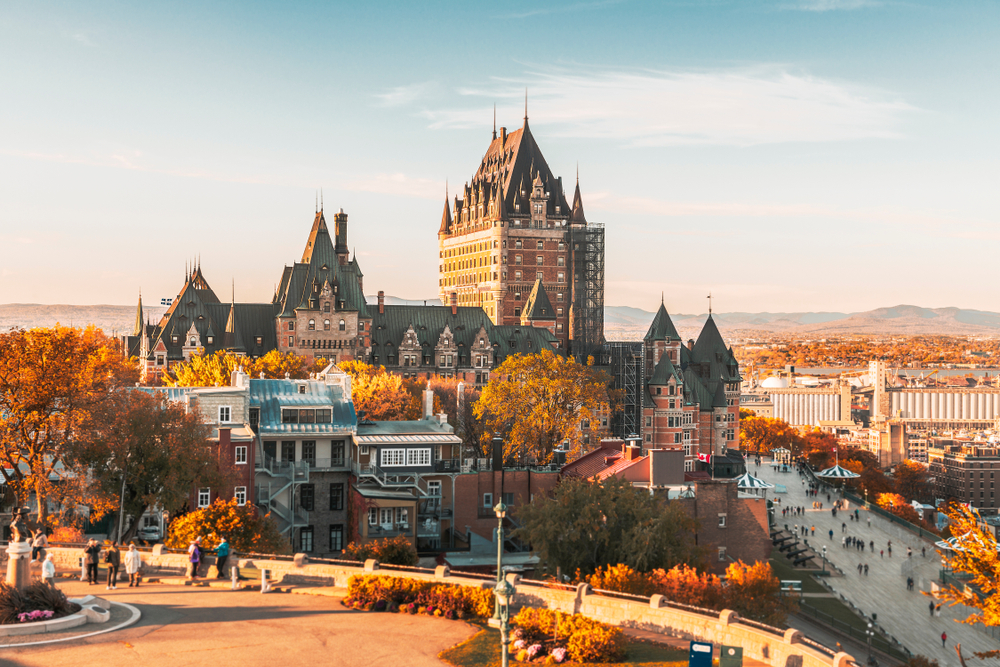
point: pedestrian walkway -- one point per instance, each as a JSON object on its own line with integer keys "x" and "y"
{"x": 901, "y": 613}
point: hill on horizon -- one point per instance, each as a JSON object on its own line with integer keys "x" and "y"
{"x": 620, "y": 322}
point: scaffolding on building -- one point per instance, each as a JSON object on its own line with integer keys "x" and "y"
{"x": 623, "y": 362}
{"x": 588, "y": 291}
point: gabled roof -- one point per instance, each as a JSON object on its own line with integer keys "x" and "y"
{"x": 514, "y": 339}
{"x": 593, "y": 462}
{"x": 428, "y": 322}
{"x": 717, "y": 362}
{"x": 538, "y": 306}
{"x": 271, "y": 395}
{"x": 445, "y": 218}
{"x": 577, "y": 215}
{"x": 664, "y": 371}
{"x": 662, "y": 327}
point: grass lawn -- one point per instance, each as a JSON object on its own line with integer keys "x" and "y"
{"x": 483, "y": 650}
{"x": 834, "y": 607}
{"x": 783, "y": 570}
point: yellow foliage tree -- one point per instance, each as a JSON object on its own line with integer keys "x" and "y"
{"x": 216, "y": 369}
{"x": 976, "y": 555}
{"x": 379, "y": 394}
{"x": 754, "y": 592}
{"x": 760, "y": 435}
{"x": 246, "y": 530}
{"x": 537, "y": 401}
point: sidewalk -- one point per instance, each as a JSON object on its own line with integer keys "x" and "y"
{"x": 903, "y": 614}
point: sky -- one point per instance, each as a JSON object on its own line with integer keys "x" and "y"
{"x": 785, "y": 155}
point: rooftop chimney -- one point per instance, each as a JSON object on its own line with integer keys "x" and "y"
{"x": 381, "y": 302}
{"x": 454, "y": 303}
{"x": 428, "y": 404}
{"x": 690, "y": 343}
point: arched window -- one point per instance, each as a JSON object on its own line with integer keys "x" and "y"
{"x": 343, "y": 325}
{"x": 326, "y": 325}
{"x": 312, "y": 325}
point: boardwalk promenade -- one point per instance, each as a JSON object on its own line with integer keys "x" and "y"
{"x": 903, "y": 614}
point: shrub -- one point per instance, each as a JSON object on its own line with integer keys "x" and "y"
{"x": 621, "y": 578}
{"x": 37, "y": 596}
{"x": 390, "y": 550}
{"x": 246, "y": 529}
{"x": 754, "y": 592}
{"x": 380, "y": 592}
{"x": 586, "y": 640}
{"x": 68, "y": 534}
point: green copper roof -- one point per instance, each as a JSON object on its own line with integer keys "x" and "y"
{"x": 662, "y": 328}
{"x": 538, "y": 306}
{"x": 664, "y": 371}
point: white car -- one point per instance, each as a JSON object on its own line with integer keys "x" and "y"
{"x": 149, "y": 533}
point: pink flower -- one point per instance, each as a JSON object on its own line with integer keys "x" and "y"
{"x": 534, "y": 650}
{"x": 558, "y": 654}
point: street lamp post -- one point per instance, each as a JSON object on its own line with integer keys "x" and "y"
{"x": 870, "y": 632}
{"x": 504, "y": 592}
{"x": 824, "y": 560}
{"x": 501, "y": 511}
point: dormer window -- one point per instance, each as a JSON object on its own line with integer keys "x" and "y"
{"x": 312, "y": 325}
{"x": 174, "y": 340}
{"x": 326, "y": 306}
{"x": 259, "y": 340}
{"x": 211, "y": 339}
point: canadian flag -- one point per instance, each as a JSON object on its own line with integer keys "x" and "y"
{"x": 834, "y": 449}
{"x": 707, "y": 458}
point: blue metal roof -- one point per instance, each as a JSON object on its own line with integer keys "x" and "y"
{"x": 271, "y": 395}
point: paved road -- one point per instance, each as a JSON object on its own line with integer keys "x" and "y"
{"x": 904, "y": 614}
{"x": 185, "y": 626}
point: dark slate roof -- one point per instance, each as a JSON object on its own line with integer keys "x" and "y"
{"x": 577, "y": 215}
{"x": 320, "y": 266}
{"x": 662, "y": 327}
{"x": 445, "y": 218}
{"x": 538, "y": 306}
{"x": 695, "y": 390}
{"x": 271, "y": 395}
{"x": 664, "y": 371}
{"x": 428, "y": 322}
{"x": 512, "y": 339}
{"x": 716, "y": 362}
{"x": 511, "y": 164}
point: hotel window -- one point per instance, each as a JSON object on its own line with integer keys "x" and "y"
{"x": 291, "y": 326}
{"x": 307, "y": 494}
{"x": 174, "y": 339}
{"x": 204, "y": 497}
{"x": 517, "y": 313}
{"x": 561, "y": 278}
{"x": 241, "y": 495}
{"x": 288, "y": 450}
{"x": 159, "y": 360}
{"x": 291, "y": 341}
{"x": 326, "y": 325}
{"x": 259, "y": 340}
{"x": 559, "y": 312}
{"x": 517, "y": 259}
{"x": 343, "y": 325}
{"x": 225, "y": 413}
{"x": 326, "y": 306}
{"x": 372, "y": 516}
{"x": 336, "y": 497}
{"x": 517, "y": 243}
{"x": 337, "y": 537}
{"x": 559, "y": 296}
{"x": 241, "y": 455}
{"x": 540, "y": 245}
{"x": 312, "y": 325}
{"x": 538, "y": 276}
{"x": 393, "y": 457}
{"x": 306, "y": 540}
{"x": 649, "y": 422}
{"x": 517, "y": 275}
{"x": 559, "y": 326}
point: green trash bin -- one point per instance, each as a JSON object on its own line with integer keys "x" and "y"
{"x": 731, "y": 656}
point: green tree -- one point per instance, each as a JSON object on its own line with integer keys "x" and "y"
{"x": 159, "y": 449}
{"x": 537, "y": 401}
{"x": 587, "y": 525}
{"x": 50, "y": 381}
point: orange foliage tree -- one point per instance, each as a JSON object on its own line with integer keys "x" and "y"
{"x": 246, "y": 529}
{"x": 379, "y": 394}
{"x": 216, "y": 369}
{"x": 761, "y": 435}
{"x": 50, "y": 381}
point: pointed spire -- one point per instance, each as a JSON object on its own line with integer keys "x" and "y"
{"x": 138, "y": 317}
{"x": 321, "y": 200}
{"x": 494, "y": 121}
{"x": 525, "y": 105}
{"x": 709, "y": 304}
{"x": 662, "y": 327}
{"x": 577, "y": 215}
{"x": 317, "y": 202}
{"x": 446, "y": 215}
{"x": 231, "y": 322}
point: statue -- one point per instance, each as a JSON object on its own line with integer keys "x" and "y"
{"x": 19, "y": 531}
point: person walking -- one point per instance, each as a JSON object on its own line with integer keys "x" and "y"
{"x": 881, "y": 553}
{"x": 859, "y": 568}
{"x": 831, "y": 534}
{"x": 869, "y": 520}
{"x": 923, "y": 552}
{"x": 909, "y": 552}
{"x": 194, "y": 556}
{"x": 113, "y": 558}
{"x": 90, "y": 555}
{"x": 871, "y": 545}
{"x": 931, "y": 607}
{"x": 49, "y": 571}
{"x": 944, "y": 639}
{"x": 843, "y": 527}
{"x": 39, "y": 544}
{"x": 937, "y": 611}
{"x": 133, "y": 561}
{"x": 222, "y": 555}
{"x": 890, "y": 551}
{"x": 813, "y": 534}
{"x": 866, "y": 569}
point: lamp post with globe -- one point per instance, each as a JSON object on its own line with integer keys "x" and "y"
{"x": 501, "y": 511}
{"x": 504, "y": 592}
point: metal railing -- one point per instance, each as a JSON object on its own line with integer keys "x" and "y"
{"x": 885, "y": 645}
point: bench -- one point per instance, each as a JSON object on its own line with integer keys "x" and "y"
{"x": 791, "y": 585}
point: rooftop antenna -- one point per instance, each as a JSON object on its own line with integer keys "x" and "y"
{"x": 321, "y": 200}
{"x": 661, "y": 297}
{"x": 525, "y": 104}
{"x": 317, "y": 202}
{"x": 578, "y": 172}
{"x": 709, "y": 303}
{"x": 494, "y": 121}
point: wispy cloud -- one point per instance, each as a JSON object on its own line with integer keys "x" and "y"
{"x": 746, "y": 106}
{"x": 397, "y": 184}
{"x": 575, "y": 7}
{"x": 403, "y": 95}
{"x": 831, "y": 5}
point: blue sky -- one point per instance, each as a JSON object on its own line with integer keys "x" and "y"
{"x": 788, "y": 155}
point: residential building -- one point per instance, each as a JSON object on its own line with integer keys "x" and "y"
{"x": 964, "y": 471}
{"x": 513, "y": 227}
{"x": 305, "y": 431}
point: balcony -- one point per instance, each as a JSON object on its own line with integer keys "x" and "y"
{"x": 448, "y": 465}
{"x": 379, "y": 531}
{"x": 433, "y": 510}
{"x": 327, "y": 464}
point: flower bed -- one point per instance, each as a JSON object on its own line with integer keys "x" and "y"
{"x": 37, "y": 602}
{"x": 395, "y": 594}
{"x": 543, "y": 635}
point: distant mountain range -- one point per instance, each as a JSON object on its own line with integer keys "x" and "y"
{"x": 620, "y": 322}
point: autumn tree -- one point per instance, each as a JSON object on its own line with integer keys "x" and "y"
{"x": 910, "y": 480}
{"x": 586, "y": 525}
{"x": 761, "y": 435}
{"x": 247, "y": 530}
{"x": 377, "y": 393}
{"x": 754, "y": 592}
{"x": 460, "y": 408}
{"x": 818, "y": 447}
{"x": 537, "y": 401}
{"x": 158, "y": 449}
{"x": 50, "y": 381}
{"x": 975, "y": 555}
{"x": 216, "y": 369}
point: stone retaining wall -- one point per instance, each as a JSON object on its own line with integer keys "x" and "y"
{"x": 776, "y": 648}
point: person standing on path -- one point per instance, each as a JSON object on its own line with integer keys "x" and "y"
{"x": 222, "y": 555}
{"x": 814, "y": 531}
{"x": 881, "y": 553}
{"x": 39, "y": 544}
{"x": 944, "y": 638}
{"x": 194, "y": 556}
{"x": 923, "y": 552}
{"x": 49, "y": 571}
{"x": 869, "y": 520}
{"x": 890, "y": 551}
{"x": 931, "y": 607}
{"x": 113, "y": 558}
{"x": 133, "y": 561}
{"x": 871, "y": 545}
{"x": 90, "y": 555}
{"x": 831, "y": 534}
{"x": 859, "y": 568}
{"x": 866, "y": 569}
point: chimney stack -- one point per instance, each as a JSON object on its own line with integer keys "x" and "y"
{"x": 454, "y": 303}
{"x": 690, "y": 343}
{"x": 428, "y": 404}
{"x": 381, "y": 302}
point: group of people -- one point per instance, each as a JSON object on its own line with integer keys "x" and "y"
{"x": 113, "y": 559}
{"x": 196, "y": 556}
{"x": 794, "y": 511}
